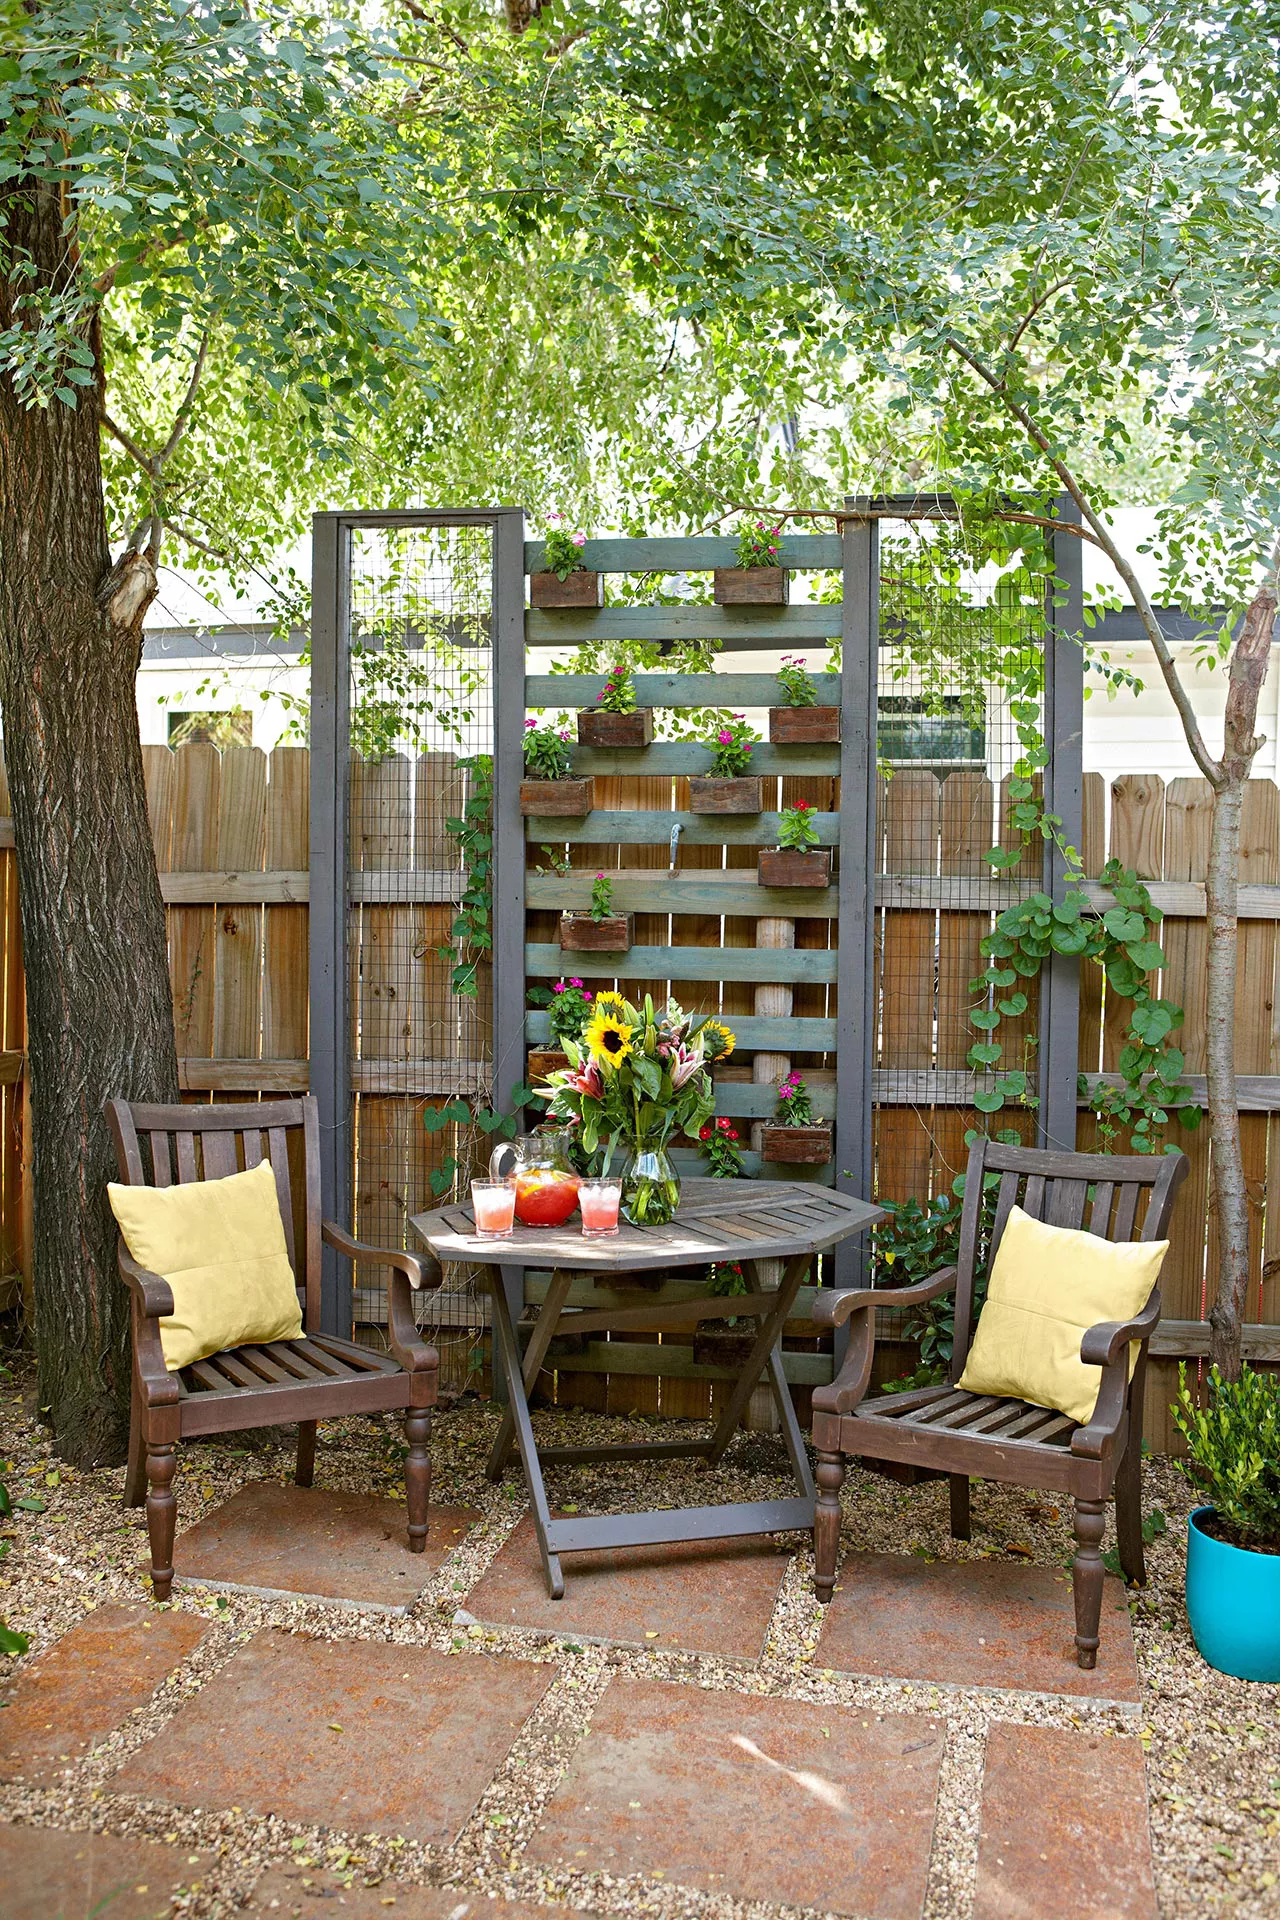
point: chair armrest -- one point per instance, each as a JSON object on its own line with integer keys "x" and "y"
{"x": 1104, "y": 1344}
{"x": 152, "y": 1292}
{"x": 1107, "y": 1346}
{"x": 832, "y": 1309}
{"x": 420, "y": 1270}
{"x": 407, "y": 1270}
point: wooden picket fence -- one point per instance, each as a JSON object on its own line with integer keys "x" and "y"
{"x": 231, "y": 839}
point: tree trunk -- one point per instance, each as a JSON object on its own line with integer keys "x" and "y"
{"x": 1222, "y": 878}
{"x": 100, "y": 1017}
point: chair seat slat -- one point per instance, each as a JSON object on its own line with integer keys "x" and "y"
{"x": 349, "y": 1354}
{"x": 292, "y": 1357}
{"x": 959, "y": 1418}
{"x": 928, "y": 1416}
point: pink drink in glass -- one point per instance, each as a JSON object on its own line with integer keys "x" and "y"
{"x": 598, "y": 1201}
{"x": 494, "y": 1204}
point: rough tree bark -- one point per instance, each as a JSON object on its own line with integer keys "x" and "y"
{"x": 100, "y": 1015}
{"x": 1246, "y": 674}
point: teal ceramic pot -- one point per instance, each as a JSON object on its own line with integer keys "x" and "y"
{"x": 1233, "y": 1604}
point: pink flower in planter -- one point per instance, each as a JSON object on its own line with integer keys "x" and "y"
{"x": 579, "y": 539}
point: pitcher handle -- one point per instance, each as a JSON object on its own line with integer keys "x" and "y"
{"x": 496, "y": 1171}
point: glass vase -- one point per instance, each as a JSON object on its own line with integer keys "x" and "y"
{"x": 650, "y": 1186}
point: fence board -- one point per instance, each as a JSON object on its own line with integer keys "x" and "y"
{"x": 193, "y": 934}
{"x": 285, "y": 955}
{"x": 242, "y": 822}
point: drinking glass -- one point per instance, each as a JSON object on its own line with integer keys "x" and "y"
{"x": 494, "y": 1204}
{"x": 598, "y": 1202}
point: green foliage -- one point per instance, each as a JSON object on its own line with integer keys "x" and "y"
{"x": 796, "y": 831}
{"x": 546, "y": 752}
{"x": 618, "y": 695}
{"x": 601, "y": 897}
{"x": 797, "y": 682}
{"x": 721, "y": 1149}
{"x": 1233, "y": 1451}
{"x": 569, "y": 1008}
{"x": 468, "y": 1121}
{"x": 795, "y": 1102}
{"x": 759, "y": 544}
{"x": 562, "y": 550}
{"x": 731, "y": 746}
{"x": 472, "y": 928}
{"x": 725, "y": 1279}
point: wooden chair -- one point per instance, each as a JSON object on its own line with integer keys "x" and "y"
{"x": 316, "y": 1377}
{"x": 967, "y": 1434}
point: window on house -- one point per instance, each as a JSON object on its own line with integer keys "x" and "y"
{"x": 940, "y": 730}
{"x": 230, "y": 727}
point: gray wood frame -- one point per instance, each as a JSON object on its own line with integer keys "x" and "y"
{"x": 330, "y": 888}
{"x": 1064, "y": 795}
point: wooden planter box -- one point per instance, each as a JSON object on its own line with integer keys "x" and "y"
{"x": 599, "y": 729}
{"x": 582, "y": 588}
{"x": 572, "y": 798}
{"x": 545, "y": 1060}
{"x": 803, "y": 726}
{"x": 723, "y": 1346}
{"x": 743, "y": 794}
{"x": 796, "y": 1146}
{"x": 579, "y": 933}
{"x": 786, "y": 867}
{"x": 752, "y": 587}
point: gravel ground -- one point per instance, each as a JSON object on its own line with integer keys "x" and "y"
{"x": 1212, "y": 1744}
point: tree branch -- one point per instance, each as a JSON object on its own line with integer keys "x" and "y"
{"x": 182, "y": 419}
{"x": 130, "y": 446}
{"x": 1209, "y": 767}
{"x": 1035, "y": 307}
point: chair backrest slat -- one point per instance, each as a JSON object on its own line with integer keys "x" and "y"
{"x": 1104, "y": 1194}
{"x": 278, "y": 1150}
{"x": 220, "y": 1158}
{"x": 161, "y": 1172}
{"x": 1055, "y": 1187}
{"x": 212, "y": 1141}
{"x": 185, "y": 1150}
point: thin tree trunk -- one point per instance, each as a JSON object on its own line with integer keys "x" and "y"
{"x": 1231, "y": 1200}
{"x": 100, "y": 1017}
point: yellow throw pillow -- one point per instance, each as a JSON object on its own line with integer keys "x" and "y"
{"x": 220, "y": 1245}
{"x": 1048, "y": 1285}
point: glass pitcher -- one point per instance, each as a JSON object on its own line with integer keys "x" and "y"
{"x": 546, "y": 1184}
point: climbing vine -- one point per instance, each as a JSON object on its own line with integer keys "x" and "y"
{"x": 472, "y": 830}
{"x": 1121, "y": 940}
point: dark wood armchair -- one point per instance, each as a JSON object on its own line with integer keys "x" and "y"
{"x": 966, "y": 1434}
{"x": 305, "y": 1380}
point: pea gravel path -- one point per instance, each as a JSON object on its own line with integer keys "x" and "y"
{"x": 1212, "y": 1744}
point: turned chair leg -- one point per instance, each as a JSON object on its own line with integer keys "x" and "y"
{"x": 826, "y": 1523}
{"x": 961, "y": 1527}
{"x": 1133, "y": 1560}
{"x": 135, "y": 1475}
{"x": 162, "y": 1513}
{"x": 1086, "y": 1578}
{"x": 417, "y": 1475}
{"x": 305, "y": 1471}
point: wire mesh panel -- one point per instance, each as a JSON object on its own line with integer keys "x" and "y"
{"x": 420, "y": 1003}
{"x": 961, "y": 698}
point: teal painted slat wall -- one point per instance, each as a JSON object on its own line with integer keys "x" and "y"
{"x": 692, "y": 553}
{"x": 796, "y": 1034}
{"x": 659, "y": 689}
{"x": 692, "y": 892}
{"x": 676, "y": 757}
{"x": 684, "y": 963}
{"x": 604, "y": 828}
{"x": 747, "y": 627}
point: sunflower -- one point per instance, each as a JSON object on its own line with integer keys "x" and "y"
{"x": 717, "y": 1040}
{"x": 608, "y": 1039}
{"x": 612, "y": 1003}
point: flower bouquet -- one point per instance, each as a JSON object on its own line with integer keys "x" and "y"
{"x": 638, "y": 1075}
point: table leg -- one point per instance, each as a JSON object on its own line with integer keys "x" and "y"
{"x": 540, "y": 1339}
{"x": 518, "y": 1407}
{"x": 769, "y": 1336}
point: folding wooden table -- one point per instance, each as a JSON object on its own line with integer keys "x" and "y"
{"x": 717, "y": 1221}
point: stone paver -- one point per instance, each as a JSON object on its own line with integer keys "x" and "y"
{"x": 973, "y": 1623}
{"x": 50, "y": 1875}
{"x": 714, "y": 1597}
{"x": 760, "y": 1799}
{"x": 352, "y": 1734}
{"x": 294, "y": 1893}
{"x": 326, "y": 1544}
{"x": 84, "y": 1685}
{"x": 1064, "y": 1827}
